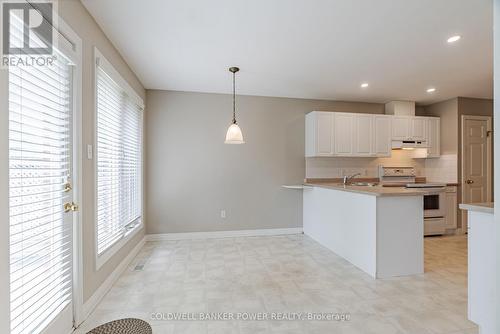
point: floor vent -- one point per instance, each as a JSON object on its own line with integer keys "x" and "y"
{"x": 139, "y": 267}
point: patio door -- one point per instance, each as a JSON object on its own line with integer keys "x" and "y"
{"x": 41, "y": 188}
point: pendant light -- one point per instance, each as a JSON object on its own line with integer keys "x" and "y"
{"x": 234, "y": 135}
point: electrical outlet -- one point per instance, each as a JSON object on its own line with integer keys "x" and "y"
{"x": 223, "y": 214}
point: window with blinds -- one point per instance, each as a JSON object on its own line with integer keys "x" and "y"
{"x": 40, "y": 155}
{"x": 119, "y": 159}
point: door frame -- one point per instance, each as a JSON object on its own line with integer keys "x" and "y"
{"x": 489, "y": 158}
{"x": 71, "y": 35}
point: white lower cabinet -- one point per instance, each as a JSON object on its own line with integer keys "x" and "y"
{"x": 451, "y": 207}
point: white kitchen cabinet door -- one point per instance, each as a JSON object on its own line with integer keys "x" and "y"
{"x": 319, "y": 134}
{"x": 363, "y": 135}
{"x": 433, "y": 137}
{"x": 324, "y": 143}
{"x": 382, "y": 135}
{"x": 343, "y": 134}
{"x": 451, "y": 207}
{"x": 418, "y": 128}
{"x": 400, "y": 128}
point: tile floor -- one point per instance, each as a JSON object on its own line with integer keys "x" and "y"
{"x": 284, "y": 274}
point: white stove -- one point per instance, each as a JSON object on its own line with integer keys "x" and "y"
{"x": 434, "y": 204}
{"x": 396, "y": 176}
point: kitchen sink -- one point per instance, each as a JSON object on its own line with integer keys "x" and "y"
{"x": 364, "y": 184}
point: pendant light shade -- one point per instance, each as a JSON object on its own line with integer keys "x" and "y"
{"x": 234, "y": 135}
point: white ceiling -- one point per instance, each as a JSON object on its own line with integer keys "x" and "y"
{"x": 321, "y": 49}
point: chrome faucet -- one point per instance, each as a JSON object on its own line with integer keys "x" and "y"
{"x": 348, "y": 178}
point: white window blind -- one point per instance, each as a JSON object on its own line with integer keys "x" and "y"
{"x": 119, "y": 160}
{"x": 39, "y": 166}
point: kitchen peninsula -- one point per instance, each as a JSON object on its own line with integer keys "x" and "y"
{"x": 378, "y": 229}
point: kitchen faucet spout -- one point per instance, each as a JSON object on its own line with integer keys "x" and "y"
{"x": 348, "y": 178}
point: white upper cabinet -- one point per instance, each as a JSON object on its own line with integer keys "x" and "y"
{"x": 382, "y": 125}
{"x": 409, "y": 128}
{"x": 418, "y": 128}
{"x": 400, "y": 128}
{"x": 363, "y": 135}
{"x": 330, "y": 134}
{"x": 343, "y": 133}
{"x": 319, "y": 134}
{"x": 433, "y": 137}
{"x": 325, "y": 133}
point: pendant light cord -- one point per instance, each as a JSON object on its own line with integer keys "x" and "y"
{"x": 234, "y": 99}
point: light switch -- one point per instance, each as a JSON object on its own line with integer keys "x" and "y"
{"x": 89, "y": 152}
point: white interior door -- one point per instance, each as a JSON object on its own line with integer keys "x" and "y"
{"x": 40, "y": 198}
{"x": 476, "y": 160}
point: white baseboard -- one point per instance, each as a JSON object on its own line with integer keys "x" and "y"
{"x": 92, "y": 302}
{"x": 223, "y": 234}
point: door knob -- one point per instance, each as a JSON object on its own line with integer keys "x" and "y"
{"x": 70, "y": 207}
{"x": 469, "y": 181}
{"x": 67, "y": 187}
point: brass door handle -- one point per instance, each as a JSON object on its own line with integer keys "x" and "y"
{"x": 70, "y": 207}
{"x": 469, "y": 181}
{"x": 67, "y": 187}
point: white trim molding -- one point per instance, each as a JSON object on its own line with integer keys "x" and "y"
{"x": 92, "y": 302}
{"x": 223, "y": 234}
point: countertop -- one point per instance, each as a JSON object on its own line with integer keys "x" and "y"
{"x": 418, "y": 179}
{"x": 486, "y": 207}
{"x": 376, "y": 190}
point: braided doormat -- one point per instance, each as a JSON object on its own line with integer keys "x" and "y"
{"x": 123, "y": 326}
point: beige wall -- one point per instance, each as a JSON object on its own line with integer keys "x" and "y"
{"x": 448, "y": 112}
{"x": 451, "y": 112}
{"x": 77, "y": 17}
{"x": 192, "y": 175}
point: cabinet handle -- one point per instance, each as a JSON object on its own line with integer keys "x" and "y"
{"x": 469, "y": 181}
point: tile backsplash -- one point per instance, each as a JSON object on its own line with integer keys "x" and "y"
{"x": 442, "y": 169}
{"x": 368, "y": 167}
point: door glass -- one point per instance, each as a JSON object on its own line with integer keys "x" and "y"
{"x": 40, "y": 156}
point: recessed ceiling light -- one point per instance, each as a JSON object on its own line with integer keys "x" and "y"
{"x": 431, "y": 90}
{"x": 364, "y": 85}
{"x": 453, "y": 39}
